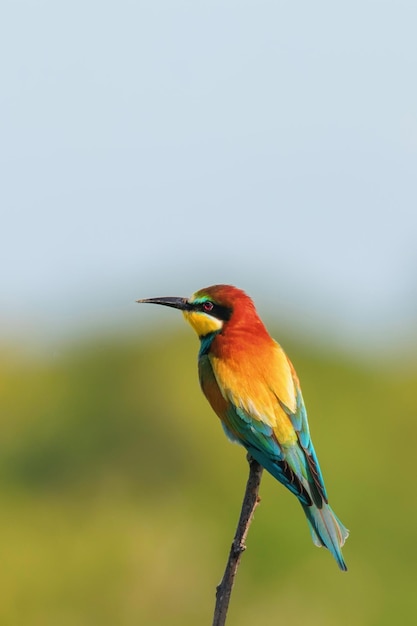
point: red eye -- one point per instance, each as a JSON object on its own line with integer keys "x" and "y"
{"x": 208, "y": 306}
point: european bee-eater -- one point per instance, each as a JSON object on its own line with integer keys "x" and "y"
{"x": 254, "y": 389}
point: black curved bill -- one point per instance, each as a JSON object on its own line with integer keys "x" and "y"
{"x": 175, "y": 303}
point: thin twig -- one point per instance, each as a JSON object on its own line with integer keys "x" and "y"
{"x": 250, "y": 501}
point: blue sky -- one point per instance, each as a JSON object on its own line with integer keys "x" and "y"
{"x": 153, "y": 148}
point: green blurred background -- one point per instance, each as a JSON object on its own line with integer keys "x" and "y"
{"x": 120, "y": 493}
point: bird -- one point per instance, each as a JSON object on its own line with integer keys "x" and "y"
{"x": 253, "y": 388}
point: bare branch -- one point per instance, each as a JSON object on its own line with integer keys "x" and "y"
{"x": 250, "y": 501}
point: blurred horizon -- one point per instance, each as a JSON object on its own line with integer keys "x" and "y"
{"x": 118, "y": 315}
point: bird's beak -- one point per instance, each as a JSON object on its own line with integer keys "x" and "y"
{"x": 175, "y": 303}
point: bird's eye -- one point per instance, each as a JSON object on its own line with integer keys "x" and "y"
{"x": 208, "y": 306}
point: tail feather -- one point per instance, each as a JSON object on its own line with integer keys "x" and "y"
{"x": 327, "y": 530}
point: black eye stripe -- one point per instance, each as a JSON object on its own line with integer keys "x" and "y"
{"x": 219, "y": 311}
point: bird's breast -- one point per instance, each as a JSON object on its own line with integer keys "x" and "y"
{"x": 211, "y": 388}
{"x": 260, "y": 388}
